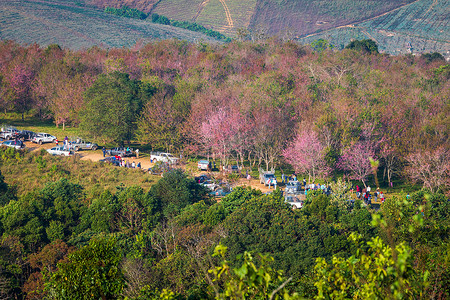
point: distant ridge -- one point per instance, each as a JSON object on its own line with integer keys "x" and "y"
{"x": 79, "y": 26}
{"x": 398, "y": 26}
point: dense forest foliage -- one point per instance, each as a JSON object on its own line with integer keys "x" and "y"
{"x": 172, "y": 241}
{"x": 125, "y": 11}
{"x": 255, "y": 101}
{"x": 270, "y": 103}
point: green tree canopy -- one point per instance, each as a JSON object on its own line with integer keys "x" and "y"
{"x": 175, "y": 190}
{"x": 368, "y": 46}
{"x": 92, "y": 272}
{"x": 112, "y": 107}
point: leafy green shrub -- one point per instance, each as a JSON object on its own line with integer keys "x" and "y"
{"x": 189, "y": 26}
{"x": 10, "y": 154}
{"x": 367, "y": 46}
{"x": 41, "y": 162}
{"x": 125, "y": 11}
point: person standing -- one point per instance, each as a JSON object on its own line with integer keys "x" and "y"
{"x": 137, "y": 153}
{"x": 104, "y": 151}
{"x": 381, "y": 197}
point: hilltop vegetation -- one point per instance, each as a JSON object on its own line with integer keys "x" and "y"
{"x": 76, "y": 230}
{"x": 248, "y": 101}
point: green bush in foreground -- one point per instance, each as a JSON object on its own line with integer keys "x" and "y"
{"x": 92, "y": 272}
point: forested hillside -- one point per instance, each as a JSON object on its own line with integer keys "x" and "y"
{"x": 174, "y": 94}
{"x": 355, "y": 116}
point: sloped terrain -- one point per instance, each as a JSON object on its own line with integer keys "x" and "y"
{"x": 422, "y": 26}
{"x": 77, "y": 26}
{"x": 304, "y": 17}
{"x": 398, "y": 26}
{"x": 301, "y": 17}
{"x": 225, "y": 16}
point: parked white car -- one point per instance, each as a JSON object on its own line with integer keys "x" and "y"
{"x": 203, "y": 165}
{"x": 163, "y": 157}
{"x": 14, "y": 144}
{"x": 60, "y": 150}
{"x": 42, "y": 137}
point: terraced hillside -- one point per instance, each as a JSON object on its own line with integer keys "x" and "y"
{"x": 225, "y": 16}
{"x": 78, "y": 26}
{"x": 398, "y": 26}
{"x": 422, "y": 26}
{"x": 301, "y": 17}
{"x": 304, "y": 17}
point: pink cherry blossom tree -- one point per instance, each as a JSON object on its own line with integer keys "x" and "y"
{"x": 306, "y": 154}
{"x": 20, "y": 80}
{"x": 356, "y": 159}
{"x": 216, "y": 131}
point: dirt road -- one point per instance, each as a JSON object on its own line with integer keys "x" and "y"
{"x": 89, "y": 155}
{"x": 145, "y": 163}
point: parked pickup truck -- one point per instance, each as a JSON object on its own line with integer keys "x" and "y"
{"x": 80, "y": 144}
{"x": 293, "y": 187}
{"x": 42, "y": 137}
{"x": 267, "y": 177}
{"x": 120, "y": 151}
{"x": 163, "y": 157}
{"x": 9, "y": 133}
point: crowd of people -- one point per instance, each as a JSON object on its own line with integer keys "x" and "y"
{"x": 121, "y": 162}
{"x": 367, "y": 196}
{"x": 361, "y": 193}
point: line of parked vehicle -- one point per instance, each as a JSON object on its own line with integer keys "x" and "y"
{"x": 15, "y": 138}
